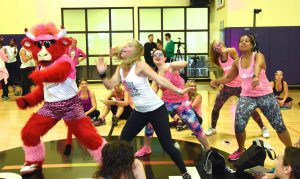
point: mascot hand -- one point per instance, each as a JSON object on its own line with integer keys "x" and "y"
{"x": 36, "y": 77}
{"x": 22, "y": 103}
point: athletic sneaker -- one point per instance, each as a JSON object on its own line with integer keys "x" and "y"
{"x": 28, "y": 169}
{"x": 265, "y": 133}
{"x": 143, "y": 151}
{"x": 181, "y": 126}
{"x": 186, "y": 175}
{"x": 93, "y": 119}
{"x": 235, "y": 155}
{"x": 211, "y": 131}
{"x": 5, "y": 98}
{"x": 99, "y": 122}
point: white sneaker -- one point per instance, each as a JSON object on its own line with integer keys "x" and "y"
{"x": 28, "y": 169}
{"x": 211, "y": 131}
{"x": 265, "y": 133}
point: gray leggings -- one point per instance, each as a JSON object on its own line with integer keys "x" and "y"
{"x": 268, "y": 106}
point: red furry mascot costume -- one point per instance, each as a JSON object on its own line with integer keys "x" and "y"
{"x": 55, "y": 84}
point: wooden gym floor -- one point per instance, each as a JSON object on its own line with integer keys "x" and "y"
{"x": 12, "y": 120}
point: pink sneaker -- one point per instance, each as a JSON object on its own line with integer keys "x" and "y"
{"x": 235, "y": 155}
{"x": 143, "y": 151}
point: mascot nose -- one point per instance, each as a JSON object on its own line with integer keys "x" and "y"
{"x": 42, "y": 55}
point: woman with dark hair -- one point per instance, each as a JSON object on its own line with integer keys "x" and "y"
{"x": 159, "y": 45}
{"x": 134, "y": 74}
{"x": 118, "y": 162}
{"x": 279, "y": 86}
{"x": 287, "y": 166}
{"x": 256, "y": 93}
{"x": 223, "y": 58}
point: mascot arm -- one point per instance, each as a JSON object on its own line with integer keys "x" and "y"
{"x": 31, "y": 99}
{"x": 58, "y": 72}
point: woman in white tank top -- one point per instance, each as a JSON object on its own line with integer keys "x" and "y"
{"x": 134, "y": 73}
{"x": 26, "y": 68}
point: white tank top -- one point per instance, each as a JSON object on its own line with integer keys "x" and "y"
{"x": 143, "y": 96}
{"x": 54, "y": 92}
{"x": 29, "y": 63}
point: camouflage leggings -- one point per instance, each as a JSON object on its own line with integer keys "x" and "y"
{"x": 268, "y": 106}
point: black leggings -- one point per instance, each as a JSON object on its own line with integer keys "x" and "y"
{"x": 126, "y": 113}
{"x": 160, "y": 122}
{"x": 94, "y": 114}
{"x": 26, "y": 83}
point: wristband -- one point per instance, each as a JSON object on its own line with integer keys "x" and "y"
{"x": 102, "y": 76}
{"x": 178, "y": 91}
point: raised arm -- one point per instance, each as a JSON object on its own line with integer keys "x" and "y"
{"x": 146, "y": 70}
{"x": 178, "y": 65}
{"x": 109, "y": 83}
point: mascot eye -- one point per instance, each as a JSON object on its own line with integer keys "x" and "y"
{"x": 46, "y": 43}
{"x": 38, "y": 44}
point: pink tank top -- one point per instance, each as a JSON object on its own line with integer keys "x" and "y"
{"x": 226, "y": 66}
{"x": 197, "y": 109}
{"x": 170, "y": 96}
{"x": 246, "y": 75}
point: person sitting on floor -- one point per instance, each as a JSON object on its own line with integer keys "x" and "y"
{"x": 119, "y": 103}
{"x": 279, "y": 86}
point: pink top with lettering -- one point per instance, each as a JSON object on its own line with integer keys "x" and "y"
{"x": 246, "y": 75}
{"x": 226, "y": 66}
{"x": 170, "y": 96}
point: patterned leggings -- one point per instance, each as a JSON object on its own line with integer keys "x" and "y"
{"x": 223, "y": 96}
{"x": 268, "y": 106}
{"x": 185, "y": 111}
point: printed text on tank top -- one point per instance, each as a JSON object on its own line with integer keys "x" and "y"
{"x": 246, "y": 65}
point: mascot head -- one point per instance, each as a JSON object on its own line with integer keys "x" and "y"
{"x": 46, "y": 43}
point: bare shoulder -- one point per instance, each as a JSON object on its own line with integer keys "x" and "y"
{"x": 259, "y": 56}
{"x": 141, "y": 64}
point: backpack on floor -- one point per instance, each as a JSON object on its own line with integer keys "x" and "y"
{"x": 255, "y": 155}
{"x": 217, "y": 160}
